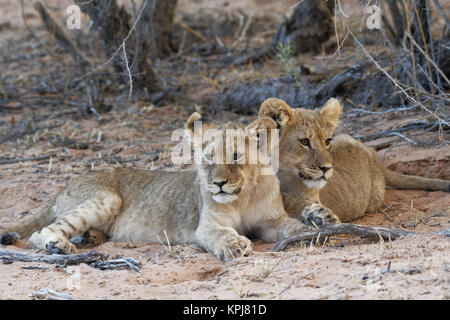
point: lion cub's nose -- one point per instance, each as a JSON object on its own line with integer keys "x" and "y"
{"x": 324, "y": 169}
{"x": 220, "y": 183}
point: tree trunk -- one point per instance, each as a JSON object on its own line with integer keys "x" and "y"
{"x": 150, "y": 38}
{"x": 309, "y": 26}
{"x": 163, "y": 17}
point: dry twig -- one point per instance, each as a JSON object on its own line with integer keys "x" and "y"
{"x": 49, "y": 294}
{"x": 343, "y": 228}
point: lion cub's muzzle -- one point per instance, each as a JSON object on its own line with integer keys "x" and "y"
{"x": 224, "y": 192}
{"x": 316, "y": 177}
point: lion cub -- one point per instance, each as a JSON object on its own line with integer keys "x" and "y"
{"x": 214, "y": 206}
{"x": 331, "y": 178}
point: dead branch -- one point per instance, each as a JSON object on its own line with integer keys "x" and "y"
{"x": 27, "y": 128}
{"x": 343, "y": 228}
{"x": 404, "y": 138}
{"x": 36, "y": 267}
{"x": 9, "y": 256}
{"x": 43, "y": 157}
{"x": 349, "y": 78}
{"x": 390, "y": 133}
{"x": 49, "y": 294}
{"x": 92, "y": 258}
{"x": 357, "y": 110}
{"x": 117, "y": 264}
{"x": 445, "y": 232}
{"x": 377, "y": 276}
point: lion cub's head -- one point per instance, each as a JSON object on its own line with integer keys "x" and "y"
{"x": 230, "y": 159}
{"x": 305, "y": 138}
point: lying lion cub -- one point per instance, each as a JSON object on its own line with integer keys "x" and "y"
{"x": 214, "y": 206}
{"x": 321, "y": 176}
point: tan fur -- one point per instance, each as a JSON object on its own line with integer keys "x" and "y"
{"x": 179, "y": 207}
{"x": 356, "y": 181}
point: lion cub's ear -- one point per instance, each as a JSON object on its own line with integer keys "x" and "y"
{"x": 264, "y": 123}
{"x": 190, "y": 122}
{"x": 330, "y": 113}
{"x": 278, "y": 110}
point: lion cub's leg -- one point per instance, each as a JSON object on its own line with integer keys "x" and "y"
{"x": 309, "y": 210}
{"x": 224, "y": 242}
{"x": 273, "y": 230}
{"x": 96, "y": 213}
{"x": 90, "y": 238}
{"x": 317, "y": 214}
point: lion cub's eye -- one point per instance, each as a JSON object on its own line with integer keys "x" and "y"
{"x": 328, "y": 141}
{"x": 305, "y": 142}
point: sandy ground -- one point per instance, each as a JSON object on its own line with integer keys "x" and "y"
{"x": 351, "y": 270}
{"x": 414, "y": 267}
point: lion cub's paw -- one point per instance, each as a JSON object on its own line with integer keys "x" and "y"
{"x": 61, "y": 247}
{"x": 9, "y": 238}
{"x": 318, "y": 215}
{"x": 89, "y": 239}
{"x": 93, "y": 238}
{"x": 233, "y": 247}
{"x": 52, "y": 242}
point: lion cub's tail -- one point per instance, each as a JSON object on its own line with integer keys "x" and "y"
{"x": 402, "y": 181}
{"x": 36, "y": 222}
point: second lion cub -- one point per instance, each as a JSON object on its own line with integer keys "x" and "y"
{"x": 214, "y": 206}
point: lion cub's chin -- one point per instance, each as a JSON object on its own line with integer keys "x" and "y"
{"x": 316, "y": 184}
{"x": 224, "y": 198}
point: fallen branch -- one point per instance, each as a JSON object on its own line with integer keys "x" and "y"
{"x": 343, "y": 228}
{"x": 117, "y": 264}
{"x": 404, "y": 138}
{"x": 349, "y": 78}
{"x": 36, "y": 268}
{"x": 92, "y": 258}
{"x": 377, "y": 276}
{"x": 43, "y": 157}
{"x": 9, "y": 256}
{"x": 49, "y": 294}
{"x": 26, "y": 128}
{"x": 356, "y": 110}
{"x": 390, "y": 133}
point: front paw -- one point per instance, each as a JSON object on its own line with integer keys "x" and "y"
{"x": 9, "y": 238}
{"x": 52, "y": 242}
{"x": 233, "y": 247}
{"x": 318, "y": 215}
{"x": 61, "y": 247}
{"x": 93, "y": 238}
